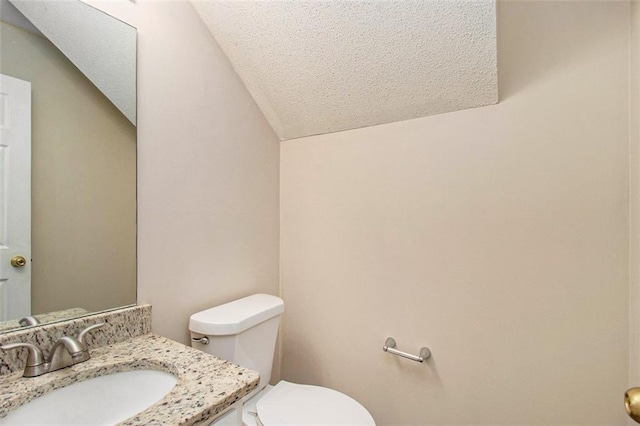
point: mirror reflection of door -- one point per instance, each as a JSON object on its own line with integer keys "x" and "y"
{"x": 15, "y": 198}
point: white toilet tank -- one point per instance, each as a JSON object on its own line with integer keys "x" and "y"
{"x": 243, "y": 331}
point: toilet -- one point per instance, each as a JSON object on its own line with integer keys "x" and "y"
{"x": 244, "y": 332}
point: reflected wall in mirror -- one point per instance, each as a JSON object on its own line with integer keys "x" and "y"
{"x": 83, "y": 170}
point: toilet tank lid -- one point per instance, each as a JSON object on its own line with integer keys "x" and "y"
{"x": 237, "y": 316}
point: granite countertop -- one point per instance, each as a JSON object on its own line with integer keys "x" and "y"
{"x": 206, "y": 385}
{"x": 45, "y": 318}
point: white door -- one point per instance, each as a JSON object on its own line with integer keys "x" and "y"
{"x": 15, "y": 198}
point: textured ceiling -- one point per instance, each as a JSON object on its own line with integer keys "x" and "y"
{"x": 323, "y": 66}
{"x": 10, "y": 15}
{"x": 106, "y": 54}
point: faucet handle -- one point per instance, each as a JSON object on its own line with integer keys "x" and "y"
{"x": 35, "y": 360}
{"x": 84, "y": 332}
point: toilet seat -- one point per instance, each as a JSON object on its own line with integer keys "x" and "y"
{"x": 294, "y": 404}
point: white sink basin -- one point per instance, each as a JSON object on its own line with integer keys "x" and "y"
{"x": 104, "y": 400}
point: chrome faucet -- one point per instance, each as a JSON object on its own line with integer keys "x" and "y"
{"x": 28, "y": 320}
{"x": 65, "y": 352}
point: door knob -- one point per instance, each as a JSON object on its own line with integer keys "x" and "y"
{"x": 18, "y": 261}
{"x": 632, "y": 403}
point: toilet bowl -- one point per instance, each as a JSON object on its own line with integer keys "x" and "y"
{"x": 244, "y": 332}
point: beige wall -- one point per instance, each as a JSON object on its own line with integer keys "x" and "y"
{"x": 634, "y": 195}
{"x": 83, "y": 182}
{"x": 496, "y": 236}
{"x": 208, "y": 171}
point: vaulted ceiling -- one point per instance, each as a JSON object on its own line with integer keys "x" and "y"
{"x": 324, "y": 66}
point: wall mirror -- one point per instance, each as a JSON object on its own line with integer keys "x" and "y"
{"x": 67, "y": 161}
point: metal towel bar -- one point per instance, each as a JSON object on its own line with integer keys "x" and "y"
{"x": 390, "y": 346}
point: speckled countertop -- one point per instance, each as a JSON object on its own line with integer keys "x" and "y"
{"x": 206, "y": 385}
{"x": 45, "y": 318}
